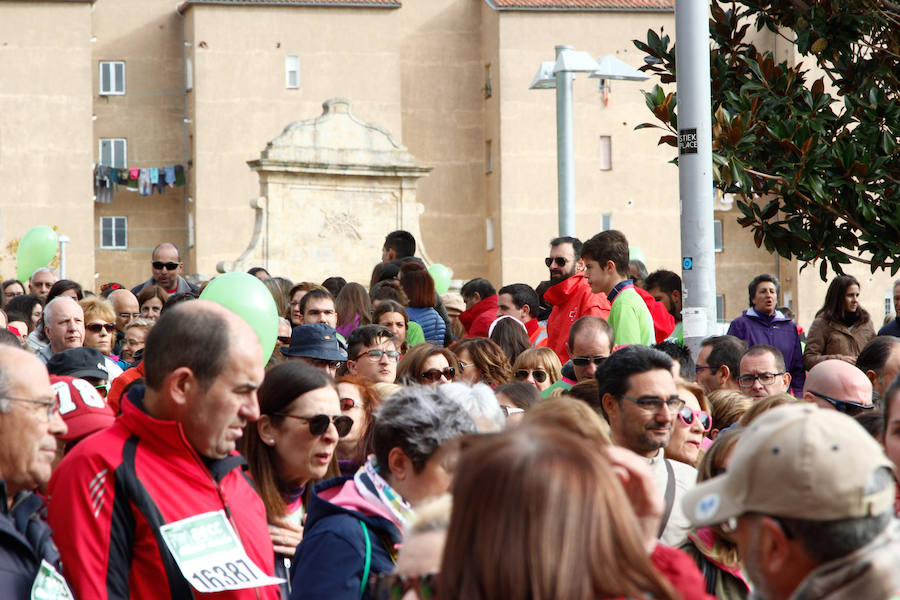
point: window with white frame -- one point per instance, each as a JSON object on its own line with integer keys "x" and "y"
{"x": 717, "y": 235}
{"x": 112, "y": 78}
{"x": 292, "y": 71}
{"x": 113, "y": 152}
{"x": 188, "y": 74}
{"x": 114, "y": 233}
{"x": 606, "y": 222}
{"x": 605, "y": 153}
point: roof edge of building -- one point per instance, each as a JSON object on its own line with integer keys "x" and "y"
{"x": 497, "y": 8}
{"x": 299, "y": 3}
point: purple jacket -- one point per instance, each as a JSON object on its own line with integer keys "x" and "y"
{"x": 774, "y": 330}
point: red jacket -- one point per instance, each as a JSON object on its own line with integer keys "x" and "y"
{"x": 681, "y": 571}
{"x": 477, "y": 320}
{"x": 111, "y": 493}
{"x": 572, "y": 299}
{"x": 663, "y": 321}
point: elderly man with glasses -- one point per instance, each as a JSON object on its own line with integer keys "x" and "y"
{"x": 29, "y": 424}
{"x": 639, "y": 399}
{"x": 166, "y": 267}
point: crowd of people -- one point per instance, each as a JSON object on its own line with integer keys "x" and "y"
{"x": 553, "y": 442}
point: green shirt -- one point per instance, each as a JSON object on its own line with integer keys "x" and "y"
{"x": 630, "y": 319}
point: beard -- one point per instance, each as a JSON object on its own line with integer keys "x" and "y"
{"x": 557, "y": 275}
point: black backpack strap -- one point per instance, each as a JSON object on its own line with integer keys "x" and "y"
{"x": 670, "y": 498}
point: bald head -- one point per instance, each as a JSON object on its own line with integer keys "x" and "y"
{"x": 166, "y": 265}
{"x": 838, "y": 380}
{"x": 126, "y": 306}
{"x": 64, "y": 324}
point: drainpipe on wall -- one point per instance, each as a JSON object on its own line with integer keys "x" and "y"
{"x": 184, "y": 137}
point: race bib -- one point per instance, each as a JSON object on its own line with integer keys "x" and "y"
{"x": 50, "y": 585}
{"x": 210, "y": 555}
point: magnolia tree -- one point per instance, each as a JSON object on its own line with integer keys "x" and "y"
{"x": 813, "y": 161}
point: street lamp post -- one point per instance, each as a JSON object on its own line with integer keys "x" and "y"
{"x": 560, "y": 75}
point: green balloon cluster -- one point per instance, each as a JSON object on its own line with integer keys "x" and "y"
{"x": 250, "y": 299}
{"x": 441, "y": 276}
{"x": 36, "y": 249}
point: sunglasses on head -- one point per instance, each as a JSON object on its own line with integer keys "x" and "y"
{"x": 538, "y": 375}
{"x": 318, "y": 424}
{"x": 392, "y": 586}
{"x": 688, "y": 414}
{"x": 169, "y": 266}
{"x": 559, "y": 261}
{"x": 848, "y": 408}
{"x": 434, "y": 375}
{"x": 582, "y": 361}
{"x": 97, "y": 327}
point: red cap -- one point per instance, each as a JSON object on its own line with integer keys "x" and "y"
{"x": 83, "y": 409}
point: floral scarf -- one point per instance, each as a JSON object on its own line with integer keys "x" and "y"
{"x": 367, "y": 479}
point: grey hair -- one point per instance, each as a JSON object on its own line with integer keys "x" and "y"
{"x": 41, "y": 270}
{"x": 284, "y": 321}
{"x": 140, "y": 323}
{"x": 480, "y": 402}
{"x": 825, "y": 541}
{"x": 47, "y": 315}
{"x": 418, "y": 420}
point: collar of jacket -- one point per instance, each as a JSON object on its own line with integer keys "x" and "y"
{"x": 559, "y": 293}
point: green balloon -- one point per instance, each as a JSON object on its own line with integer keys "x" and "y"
{"x": 441, "y": 276}
{"x": 250, "y": 299}
{"x": 36, "y": 249}
{"x": 635, "y": 253}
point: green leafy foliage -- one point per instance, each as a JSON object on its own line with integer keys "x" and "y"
{"x": 816, "y": 174}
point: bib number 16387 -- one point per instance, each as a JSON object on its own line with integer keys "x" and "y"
{"x": 210, "y": 555}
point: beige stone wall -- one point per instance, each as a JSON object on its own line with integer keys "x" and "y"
{"x": 641, "y": 190}
{"x": 147, "y": 36}
{"x": 45, "y": 127}
{"x": 240, "y": 102}
{"x": 493, "y": 192}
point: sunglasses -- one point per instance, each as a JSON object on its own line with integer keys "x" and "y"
{"x": 97, "y": 327}
{"x": 539, "y": 375}
{"x": 318, "y": 424}
{"x": 377, "y": 354}
{"x": 284, "y": 339}
{"x": 848, "y": 408}
{"x": 583, "y": 361}
{"x": 169, "y": 266}
{"x": 392, "y": 586}
{"x": 688, "y": 414}
{"x": 559, "y": 261}
{"x": 434, "y": 375}
{"x": 348, "y": 403}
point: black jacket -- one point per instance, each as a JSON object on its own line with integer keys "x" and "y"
{"x": 24, "y": 542}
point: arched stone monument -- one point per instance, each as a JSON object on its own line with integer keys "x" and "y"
{"x": 331, "y": 188}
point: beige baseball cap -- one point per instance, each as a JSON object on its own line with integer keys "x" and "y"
{"x": 795, "y": 461}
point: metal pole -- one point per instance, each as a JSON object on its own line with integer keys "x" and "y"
{"x": 63, "y": 240}
{"x": 695, "y": 185}
{"x": 565, "y": 167}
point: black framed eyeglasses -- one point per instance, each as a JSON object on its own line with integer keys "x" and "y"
{"x": 583, "y": 361}
{"x": 559, "y": 261}
{"x": 169, "y": 266}
{"x": 538, "y": 375}
{"x": 654, "y": 403}
{"x": 318, "y": 424}
{"x": 434, "y": 375}
{"x": 850, "y": 409}
{"x": 746, "y": 381}
{"x": 376, "y": 354}
{"x": 393, "y": 586}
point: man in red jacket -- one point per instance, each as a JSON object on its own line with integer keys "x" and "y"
{"x": 570, "y": 295}
{"x": 157, "y": 506}
{"x": 481, "y": 307}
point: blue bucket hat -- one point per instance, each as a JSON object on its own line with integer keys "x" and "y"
{"x": 316, "y": 340}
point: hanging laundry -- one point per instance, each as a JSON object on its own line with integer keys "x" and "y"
{"x": 154, "y": 175}
{"x": 123, "y": 176}
{"x": 134, "y": 173}
{"x": 179, "y": 175}
{"x": 160, "y": 186}
{"x": 144, "y": 182}
{"x": 170, "y": 176}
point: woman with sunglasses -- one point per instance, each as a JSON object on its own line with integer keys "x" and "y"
{"x": 427, "y": 364}
{"x": 482, "y": 361}
{"x": 359, "y": 400}
{"x": 690, "y": 425}
{"x": 100, "y": 331}
{"x": 538, "y": 366}
{"x": 355, "y": 523}
{"x": 293, "y": 443}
